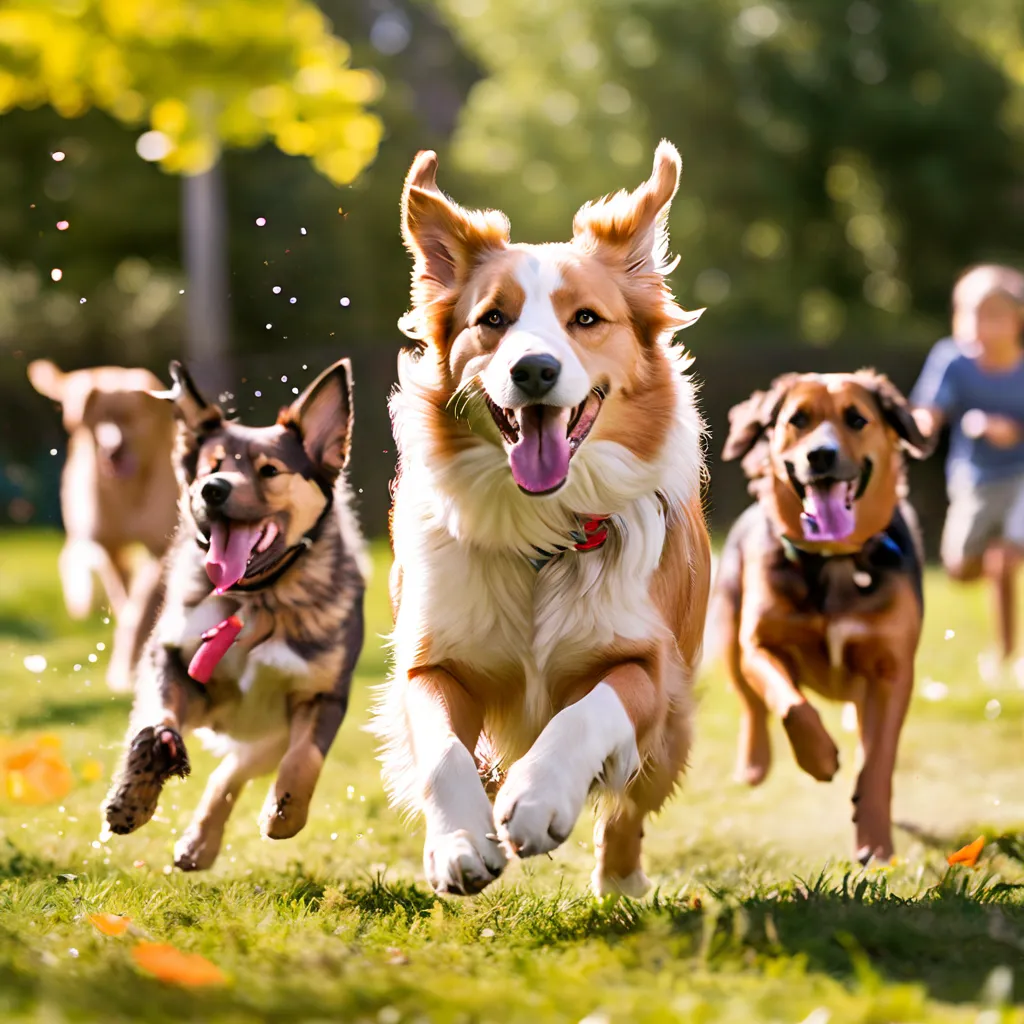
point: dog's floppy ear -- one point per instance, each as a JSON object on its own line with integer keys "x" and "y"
{"x": 897, "y": 413}
{"x": 323, "y": 416}
{"x": 631, "y": 228}
{"x": 47, "y": 378}
{"x": 749, "y": 420}
{"x": 195, "y": 412}
{"x": 445, "y": 240}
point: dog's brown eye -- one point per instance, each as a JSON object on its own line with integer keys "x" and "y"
{"x": 854, "y": 420}
{"x": 493, "y": 318}
{"x": 585, "y": 318}
{"x": 269, "y": 470}
{"x": 799, "y": 419}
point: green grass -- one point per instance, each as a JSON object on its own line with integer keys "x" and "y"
{"x": 758, "y": 916}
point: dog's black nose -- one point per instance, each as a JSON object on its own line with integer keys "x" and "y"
{"x": 216, "y": 491}
{"x": 536, "y": 374}
{"x": 821, "y": 460}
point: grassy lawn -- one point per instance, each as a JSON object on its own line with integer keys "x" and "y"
{"x": 758, "y": 916}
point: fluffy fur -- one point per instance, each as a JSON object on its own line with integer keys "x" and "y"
{"x": 580, "y": 673}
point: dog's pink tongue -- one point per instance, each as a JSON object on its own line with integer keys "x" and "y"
{"x": 230, "y": 547}
{"x": 827, "y": 516}
{"x": 540, "y": 460}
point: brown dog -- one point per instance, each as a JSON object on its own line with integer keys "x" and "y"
{"x": 117, "y": 491}
{"x": 263, "y": 619}
{"x": 819, "y": 584}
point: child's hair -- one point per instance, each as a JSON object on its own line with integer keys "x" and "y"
{"x": 977, "y": 284}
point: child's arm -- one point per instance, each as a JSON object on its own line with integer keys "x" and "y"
{"x": 931, "y": 397}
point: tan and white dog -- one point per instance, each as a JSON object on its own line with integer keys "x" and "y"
{"x": 551, "y": 565}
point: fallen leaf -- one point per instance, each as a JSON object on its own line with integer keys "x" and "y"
{"x": 113, "y": 925}
{"x": 35, "y": 772}
{"x": 969, "y": 854}
{"x": 171, "y": 965}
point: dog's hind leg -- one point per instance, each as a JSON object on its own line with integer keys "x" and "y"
{"x": 78, "y": 560}
{"x": 198, "y": 847}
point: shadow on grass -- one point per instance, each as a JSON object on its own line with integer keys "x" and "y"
{"x": 73, "y": 712}
{"x": 23, "y": 629}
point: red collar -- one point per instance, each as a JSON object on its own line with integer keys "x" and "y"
{"x": 591, "y": 534}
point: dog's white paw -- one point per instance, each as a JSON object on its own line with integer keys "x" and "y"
{"x": 536, "y": 810}
{"x": 460, "y": 862}
{"x": 634, "y": 885}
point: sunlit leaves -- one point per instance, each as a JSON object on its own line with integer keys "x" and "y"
{"x": 204, "y": 75}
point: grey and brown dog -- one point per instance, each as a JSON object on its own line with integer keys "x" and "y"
{"x": 263, "y": 619}
{"x": 819, "y": 583}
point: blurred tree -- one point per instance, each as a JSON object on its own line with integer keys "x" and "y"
{"x": 842, "y": 161}
{"x": 204, "y": 76}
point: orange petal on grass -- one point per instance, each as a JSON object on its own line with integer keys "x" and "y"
{"x": 37, "y": 775}
{"x": 113, "y": 925}
{"x": 969, "y": 854}
{"x": 171, "y": 965}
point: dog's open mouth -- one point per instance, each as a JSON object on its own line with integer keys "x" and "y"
{"x": 828, "y": 504}
{"x": 239, "y": 549}
{"x": 541, "y": 439}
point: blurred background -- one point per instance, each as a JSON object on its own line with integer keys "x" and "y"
{"x": 219, "y": 180}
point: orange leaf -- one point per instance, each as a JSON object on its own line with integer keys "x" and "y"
{"x": 171, "y": 965}
{"x": 969, "y": 854}
{"x": 38, "y": 776}
{"x": 110, "y": 924}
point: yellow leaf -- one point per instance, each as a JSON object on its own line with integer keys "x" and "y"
{"x": 968, "y": 855}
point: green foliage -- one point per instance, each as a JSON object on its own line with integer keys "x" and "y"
{"x": 757, "y": 918}
{"x": 840, "y": 162}
{"x": 230, "y": 72}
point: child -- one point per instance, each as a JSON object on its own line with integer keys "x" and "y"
{"x": 974, "y": 382}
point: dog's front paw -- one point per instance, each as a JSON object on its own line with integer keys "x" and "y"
{"x": 634, "y": 885}
{"x": 534, "y": 812}
{"x": 283, "y": 815}
{"x": 156, "y": 754}
{"x": 197, "y": 849}
{"x": 815, "y": 750}
{"x": 460, "y": 862}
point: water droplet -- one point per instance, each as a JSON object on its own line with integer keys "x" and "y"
{"x": 345, "y": 300}
{"x": 58, "y": 155}
{"x": 276, "y": 289}
{"x": 261, "y": 221}
{"x": 181, "y": 291}
{"x": 950, "y": 633}
{"x": 53, "y": 451}
{"x": 92, "y": 657}
{"x": 269, "y": 326}
{"x": 302, "y": 231}
{"x": 101, "y": 647}
{"x": 73, "y": 953}
{"x": 258, "y": 394}
{"x": 56, "y": 274}
{"x": 63, "y": 225}
{"x": 81, "y": 302}
{"x": 295, "y": 391}
{"x": 304, "y": 366}
{"x": 284, "y": 380}
{"x": 334, "y": 835}
{"x": 993, "y": 709}
{"x": 35, "y": 663}
{"x": 293, "y": 300}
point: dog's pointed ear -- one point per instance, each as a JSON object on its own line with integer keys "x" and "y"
{"x": 445, "y": 241}
{"x": 751, "y": 419}
{"x": 323, "y": 416}
{"x": 47, "y": 378}
{"x": 630, "y": 230}
{"x": 194, "y": 411}
{"x": 633, "y": 226}
{"x": 897, "y": 414}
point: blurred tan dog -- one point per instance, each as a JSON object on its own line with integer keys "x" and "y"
{"x": 118, "y": 490}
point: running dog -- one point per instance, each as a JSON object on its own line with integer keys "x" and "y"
{"x": 552, "y": 564}
{"x": 263, "y": 619}
{"x": 819, "y": 583}
{"x": 117, "y": 491}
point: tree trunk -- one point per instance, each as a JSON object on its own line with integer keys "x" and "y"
{"x": 204, "y": 226}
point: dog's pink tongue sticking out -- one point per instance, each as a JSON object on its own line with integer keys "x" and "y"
{"x": 540, "y": 459}
{"x": 231, "y": 544}
{"x": 828, "y": 512}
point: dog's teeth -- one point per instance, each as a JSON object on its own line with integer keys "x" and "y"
{"x": 268, "y": 537}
